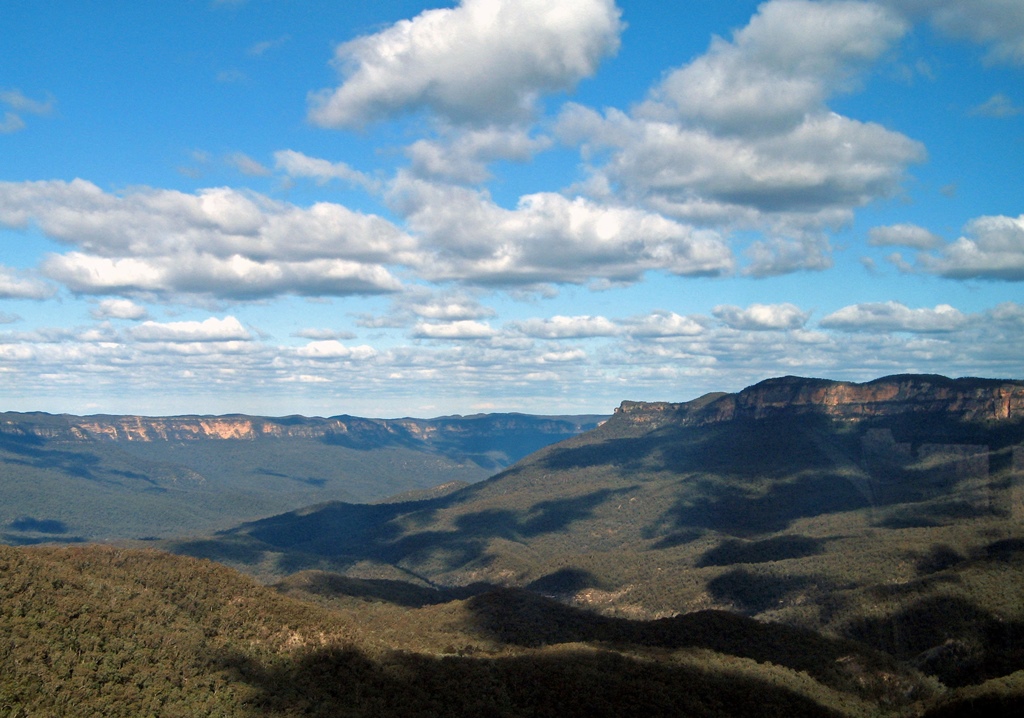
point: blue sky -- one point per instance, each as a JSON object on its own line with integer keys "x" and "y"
{"x": 409, "y": 208}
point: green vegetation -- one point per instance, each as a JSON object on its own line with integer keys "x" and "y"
{"x": 93, "y": 631}
{"x": 792, "y": 564}
{"x": 901, "y": 534}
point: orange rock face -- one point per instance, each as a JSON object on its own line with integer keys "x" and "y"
{"x": 964, "y": 399}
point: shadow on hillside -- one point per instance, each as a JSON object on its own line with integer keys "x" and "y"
{"x": 574, "y": 681}
{"x": 521, "y": 618}
{"x": 948, "y": 637}
{"x": 754, "y": 593}
{"x": 931, "y": 515}
{"x": 733, "y": 510}
{"x": 37, "y": 453}
{"x": 400, "y": 593}
{"x": 779, "y": 548}
{"x": 387, "y": 533}
{"x": 564, "y": 684}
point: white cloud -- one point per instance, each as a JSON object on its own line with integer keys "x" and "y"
{"x": 786, "y": 62}
{"x": 450, "y": 309}
{"x": 462, "y": 155}
{"x": 297, "y": 164}
{"x": 664, "y": 324}
{"x": 6, "y": 318}
{"x": 333, "y": 349}
{"x": 760, "y": 317}
{"x": 19, "y": 284}
{"x": 234, "y": 277}
{"x": 1008, "y": 313}
{"x": 483, "y": 61}
{"x": 741, "y": 137}
{"x": 463, "y": 329}
{"x": 209, "y": 330}
{"x": 218, "y": 242}
{"x": 560, "y": 327}
{"x": 895, "y": 317}
{"x": 323, "y": 334}
{"x": 569, "y": 355}
{"x": 775, "y": 256}
{"x": 118, "y": 309}
{"x": 993, "y": 248}
{"x": 903, "y": 235}
{"x": 548, "y": 238}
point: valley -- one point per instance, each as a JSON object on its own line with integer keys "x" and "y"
{"x": 801, "y": 547}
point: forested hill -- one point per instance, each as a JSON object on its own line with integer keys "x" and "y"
{"x": 843, "y": 509}
{"x": 83, "y": 478}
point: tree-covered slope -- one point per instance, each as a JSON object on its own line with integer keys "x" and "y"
{"x": 887, "y": 512}
{"x": 93, "y": 631}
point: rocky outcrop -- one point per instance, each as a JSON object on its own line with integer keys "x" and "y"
{"x": 967, "y": 399}
{"x": 348, "y": 430}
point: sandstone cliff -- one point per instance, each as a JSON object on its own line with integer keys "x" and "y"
{"x": 345, "y": 430}
{"x": 967, "y": 399}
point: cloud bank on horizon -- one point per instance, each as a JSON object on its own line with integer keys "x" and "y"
{"x": 530, "y": 205}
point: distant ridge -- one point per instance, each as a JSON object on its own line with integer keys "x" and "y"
{"x": 156, "y": 477}
{"x": 968, "y": 399}
{"x": 342, "y": 429}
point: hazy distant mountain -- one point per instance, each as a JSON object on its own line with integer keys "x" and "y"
{"x": 71, "y": 478}
{"x": 841, "y": 507}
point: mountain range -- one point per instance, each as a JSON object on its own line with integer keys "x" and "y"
{"x": 836, "y": 507}
{"x": 91, "y": 478}
{"x": 801, "y": 547}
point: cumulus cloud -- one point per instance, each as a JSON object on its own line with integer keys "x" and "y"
{"x": 219, "y": 242}
{"x": 20, "y": 284}
{"x": 560, "y": 357}
{"x": 462, "y": 155}
{"x": 297, "y": 164}
{"x": 741, "y": 137}
{"x": 895, "y": 317}
{"x": 453, "y": 308}
{"x": 333, "y": 349}
{"x": 561, "y": 327}
{"x": 118, "y": 309}
{"x": 663, "y": 324}
{"x": 482, "y": 61}
{"x": 903, "y": 235}
{"x": 659, "y": 324}
{"x": 209, "y": 330}
{"x": 323, "y": 334}
{"x": 787, "y": 61}
{"x": 548, "y": 238}
{"x": 760, "y": 317}
{"x": 462, "y": 329}
{"x": 992, "y": 248}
